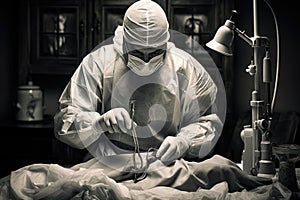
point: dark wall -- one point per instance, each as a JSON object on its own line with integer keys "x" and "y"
{"x": 288, "y": 96}
{"x": 8, "y": 57}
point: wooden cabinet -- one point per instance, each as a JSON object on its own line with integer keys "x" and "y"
{"x": 53, "y": 37}
{"x": 26, "y": 143}
{"x": 57, "y": 34}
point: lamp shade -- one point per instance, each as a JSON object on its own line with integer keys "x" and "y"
{"x": 223, "y": 39}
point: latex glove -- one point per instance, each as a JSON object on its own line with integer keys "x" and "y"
{"x": 115, "y": 120}
{"x": 172, "y": 149}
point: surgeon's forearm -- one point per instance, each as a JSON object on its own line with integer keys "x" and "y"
{"x": 200, "y": 147}
{"x": 203, "y": 136}
{"x": 76, "y": 130}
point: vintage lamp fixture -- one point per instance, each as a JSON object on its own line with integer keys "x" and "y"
{"x": 257, "y": 158}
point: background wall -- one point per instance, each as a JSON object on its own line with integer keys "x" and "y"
{"x": 8, "y": 57}
{"x": 288, "y": 95}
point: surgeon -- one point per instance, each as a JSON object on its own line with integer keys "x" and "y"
{"x": 141, "y": 92}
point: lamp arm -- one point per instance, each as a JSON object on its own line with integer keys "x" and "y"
{"x": 243, "y": 35}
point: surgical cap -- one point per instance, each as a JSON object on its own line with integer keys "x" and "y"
{"x": 145, "y": 24}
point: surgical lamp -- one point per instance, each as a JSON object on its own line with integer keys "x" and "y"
{"x": 257, "y": 157}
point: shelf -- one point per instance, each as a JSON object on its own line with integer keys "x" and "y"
{"x": 47, "y": 123}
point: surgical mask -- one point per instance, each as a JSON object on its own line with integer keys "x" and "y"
{"x": 142, "y": 68}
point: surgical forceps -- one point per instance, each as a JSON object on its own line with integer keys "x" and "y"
{"x": 139, "y": 172}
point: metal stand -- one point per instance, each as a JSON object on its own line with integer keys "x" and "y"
{"x": 257, "y": 158}
{"x": 261, "y": 160}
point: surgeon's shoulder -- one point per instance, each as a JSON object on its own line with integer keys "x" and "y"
{"x": 176, "y": 52}
{"x": 180, "y": 58}
{"x": 100, "y": 56}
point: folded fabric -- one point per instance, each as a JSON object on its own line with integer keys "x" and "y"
{"x": 214, "y": 178}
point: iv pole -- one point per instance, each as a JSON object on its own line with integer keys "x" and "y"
{"x": 260, "y": 127}
{"x": 258, "y": 160}
{"x": 257, "y": 155}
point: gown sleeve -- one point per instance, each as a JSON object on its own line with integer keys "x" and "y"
{"x": 200, "y": 125}
{"x": 79, "y": 105}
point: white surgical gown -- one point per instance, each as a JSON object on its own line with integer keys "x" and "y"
{"x": 176, "y": 100}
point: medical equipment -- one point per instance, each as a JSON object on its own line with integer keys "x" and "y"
{"x": 139, "y": 172}
{"x": 135, "y": 169}
{"x": 257, "y": 156}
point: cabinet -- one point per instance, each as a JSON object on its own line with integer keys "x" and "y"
{"x": 53, "y": 37}
{"x": 57, "y": 32}
{"x": 25, "y": 143}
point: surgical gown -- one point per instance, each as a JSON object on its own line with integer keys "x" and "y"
{"x": 176, "y": 100}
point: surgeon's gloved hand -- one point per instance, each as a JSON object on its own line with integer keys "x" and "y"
{"x": 172, "y": 149}
{"x": 115, "y": 120}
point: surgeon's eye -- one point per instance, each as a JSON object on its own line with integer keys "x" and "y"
{"x": 146, "y": 56}
{"x": 156, "y": 53}
{"x": 137, "y": 53}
